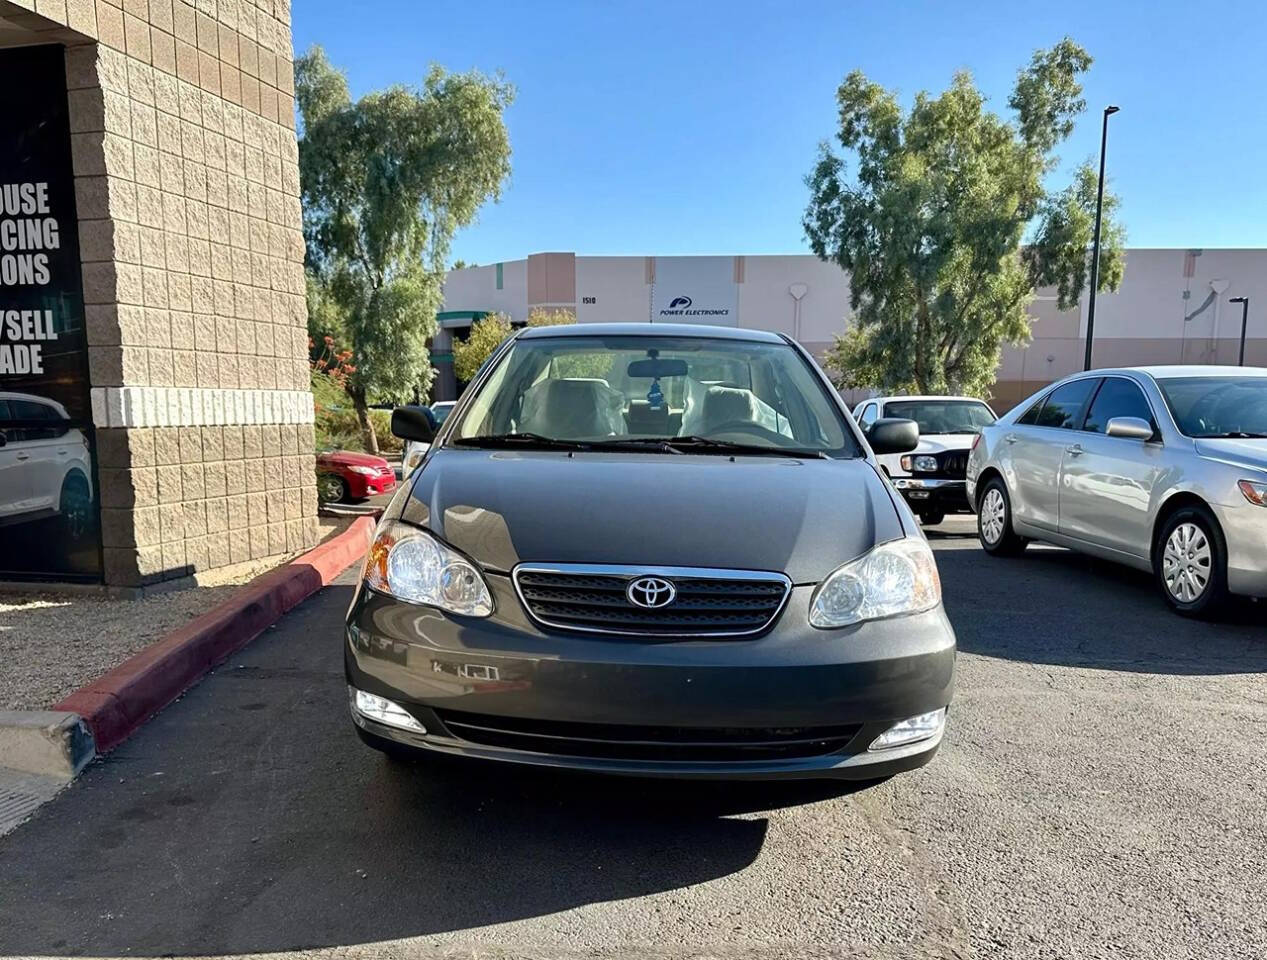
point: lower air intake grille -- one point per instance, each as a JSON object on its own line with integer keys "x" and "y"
{"x": 629, "y": 742}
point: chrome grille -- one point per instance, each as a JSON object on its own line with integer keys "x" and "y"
{"x": 708, "y": 602}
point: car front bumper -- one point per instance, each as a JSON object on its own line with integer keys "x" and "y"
{"x": 929, "y": 493}
{"x": 502, "y": 689}
{"x": 1245, "y": 532}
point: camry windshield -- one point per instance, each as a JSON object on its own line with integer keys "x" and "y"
{"x": 1218, "y": 406}
{"x": 942, "y": 416}
{"x": 661, "y": 394}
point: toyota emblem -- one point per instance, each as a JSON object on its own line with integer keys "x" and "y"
{"x": 651, "y": 593}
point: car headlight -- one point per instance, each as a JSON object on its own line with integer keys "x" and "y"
{"x": 894, "y": 578}
{"x": 364, "y": 471}
{"x": 920, "y": 464}
{"x": 1255, "y": 492}
{"x": 411, "y": 565}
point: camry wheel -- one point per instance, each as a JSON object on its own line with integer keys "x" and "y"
{"x": 994, "y": 521}
{"x": 1192, "y": 566}
{"x": 932, "y": 517}
{"x": 331, "y": 488}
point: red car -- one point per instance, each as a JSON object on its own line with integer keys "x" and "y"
{"x": 345, "y": 475}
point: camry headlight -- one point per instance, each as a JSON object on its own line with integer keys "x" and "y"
{"x": 920, "y": 464}
{"x": 892, "y": 579}
{"x": 1255, "y": 493}
{"x": 411, "y": 565}
{"x": 364, "y": 471}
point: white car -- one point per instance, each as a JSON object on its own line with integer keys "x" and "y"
{"x": 415, "y": 451}
{"x": 931, "y": 477}
{"x": 45, "y": 464}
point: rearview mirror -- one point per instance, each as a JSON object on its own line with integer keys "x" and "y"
{"x": 655, "y": 367}
{"x": 414, "y": 423}
{"x": 1132, "y": 428}
{"x": 893, "y": 435}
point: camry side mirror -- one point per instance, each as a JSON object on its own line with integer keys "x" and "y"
{"x": 414, "y": 423}
{"x": 1132, "y": 428}
{"x": 893, "y": 435}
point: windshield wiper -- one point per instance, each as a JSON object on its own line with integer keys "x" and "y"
{"x": 699, "y": 444}
{"x": 1235, "y": 435}
{"x": 521, "y": 440}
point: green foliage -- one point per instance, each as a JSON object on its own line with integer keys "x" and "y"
{"x": 336, "y": 424}
{"x": 931, "y": 224}
{"x": 386, "y": 181}
{"x": 485, "y": 336}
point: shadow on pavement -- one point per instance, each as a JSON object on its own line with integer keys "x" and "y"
{"x": 248, "y": 818}
{"x": 1059, "y": 607}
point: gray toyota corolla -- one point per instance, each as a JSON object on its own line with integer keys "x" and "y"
{"x": 656, "y": 550}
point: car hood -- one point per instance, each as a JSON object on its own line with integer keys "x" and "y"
{"x": 939, "y": 442}
{"x": 350, "y": 458}
{"x": 1248, "y": 453}
{"x": 799, "y": 517}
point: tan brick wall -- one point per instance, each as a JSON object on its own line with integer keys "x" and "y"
{"x": 187, "y": 186}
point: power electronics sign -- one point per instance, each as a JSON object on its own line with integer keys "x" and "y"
{"x": 695, "y": 290}
{"x": 48, "y": 489}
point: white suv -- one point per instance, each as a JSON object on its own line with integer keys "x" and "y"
{"x": 931, "y": 477}
{"x": 45, "y": 464}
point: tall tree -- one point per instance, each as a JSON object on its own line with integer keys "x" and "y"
{"x": 930, "y": 227}
{"x": 386, "y": 180}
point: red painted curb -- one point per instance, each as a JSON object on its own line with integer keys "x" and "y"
{"x": 116, "y": 704}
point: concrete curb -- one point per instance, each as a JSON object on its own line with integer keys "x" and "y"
{"x": 49, "y": 743}
{"x": 116, "y": 704}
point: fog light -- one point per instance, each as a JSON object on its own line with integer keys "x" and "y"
{"x": 910, "y": 731}
{"x": 383, "y": 711}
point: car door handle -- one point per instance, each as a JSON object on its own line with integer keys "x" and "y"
{"x": 24, "y": 456}
{"x": 1075, "y": 450}
{"x": 1010, "y": 438}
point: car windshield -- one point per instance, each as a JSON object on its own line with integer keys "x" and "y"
{"x": 658, "y": 393}
{"x": 1217, "y": 406}
{"x": 942, "y": 416}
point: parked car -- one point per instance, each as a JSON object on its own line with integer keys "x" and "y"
{"x": 1161, "y": 468}
{"x": 344, "y": 475}
{"x": 415, "y": 451}
{"x": 648, "y": 573}
{"x": 931, "y": 477}
{"x": 45, "y": 465}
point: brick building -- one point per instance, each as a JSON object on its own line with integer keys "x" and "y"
{"x": 192, "y": 319}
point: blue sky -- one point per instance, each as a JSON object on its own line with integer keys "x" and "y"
{"x": 687, "y": 127}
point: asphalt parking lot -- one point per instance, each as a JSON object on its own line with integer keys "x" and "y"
{"x": 1101, "y": 793}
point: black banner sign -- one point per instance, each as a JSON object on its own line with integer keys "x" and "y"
{"x": 49, "y": 525}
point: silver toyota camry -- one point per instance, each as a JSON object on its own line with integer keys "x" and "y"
{"x": 1161, "y": 468}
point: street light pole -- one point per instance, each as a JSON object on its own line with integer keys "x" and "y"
{"x": 1244, "y": 302}
{"x": 1095, "y": 243}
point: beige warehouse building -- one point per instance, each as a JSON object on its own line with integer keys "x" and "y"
{"x": 154, "y": 248}
{"x": 1172, "y": 306}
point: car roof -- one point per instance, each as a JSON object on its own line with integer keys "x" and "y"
{"x": 1191, "y": 370}
{"x": 924, "y": 396}
{"x": 699, "y": 331}
{"x": 10, "y": 395}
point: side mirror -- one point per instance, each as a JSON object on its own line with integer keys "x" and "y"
{"x": 893, "y": 435}
{"x": 414, "y": 423}
{"x": 1132, "y": 428}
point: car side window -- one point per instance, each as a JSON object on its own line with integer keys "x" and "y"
{"x": 1117, "y": 397}
{"x": 1064, "y": 405}
{"x": 868, "y": 416}
{"x": 29, "y": 410}
{"x": 1030, "y": 416}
